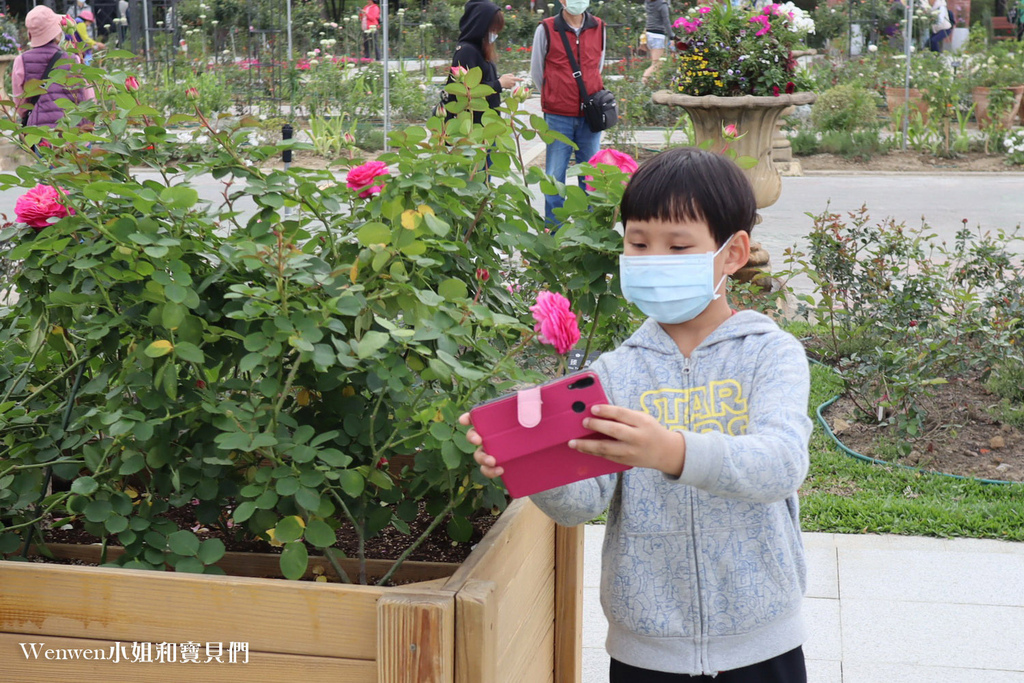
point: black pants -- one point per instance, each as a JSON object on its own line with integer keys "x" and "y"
{"x": 786, "y": 668}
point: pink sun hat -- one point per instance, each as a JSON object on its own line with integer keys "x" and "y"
{"x": 43, "y": 25}
{"x": 87, "y": 15}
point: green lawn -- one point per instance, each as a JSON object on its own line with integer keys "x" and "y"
{"x": 846, "y": 495}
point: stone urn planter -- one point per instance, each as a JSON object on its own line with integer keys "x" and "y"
{"x": 512, "y": 612}
{"x": 896, "y": 99}
{"x": 981, "y": 103}
{"x": 756, "y": 118}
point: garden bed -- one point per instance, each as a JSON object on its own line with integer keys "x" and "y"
{"x": 910, "y": 162}
{"x": 963, "y": 434}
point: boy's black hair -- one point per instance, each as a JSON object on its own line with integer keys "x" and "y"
{"x": 687, "y": 183}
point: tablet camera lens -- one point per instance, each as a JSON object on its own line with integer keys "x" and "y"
{"x": 579, "y": 406}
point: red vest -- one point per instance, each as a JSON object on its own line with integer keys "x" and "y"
{"x": 560, "y": 93}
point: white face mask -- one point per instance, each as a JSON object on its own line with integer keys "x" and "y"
{"x": 492, "y": 37}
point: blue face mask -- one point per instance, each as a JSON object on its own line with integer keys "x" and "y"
{"x": 671, "y": 289}
{"x": 577, "y": 6}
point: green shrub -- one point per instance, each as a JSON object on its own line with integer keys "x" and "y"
{"x": 845, "y": 108}
{"x": 853, "y": 145}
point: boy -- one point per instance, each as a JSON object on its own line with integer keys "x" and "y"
{"x": 702, "y": 567}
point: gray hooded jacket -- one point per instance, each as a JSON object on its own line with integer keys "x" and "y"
{"x": 704, "y": 573}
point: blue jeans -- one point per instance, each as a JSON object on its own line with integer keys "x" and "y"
{"x": 558, "y": 154}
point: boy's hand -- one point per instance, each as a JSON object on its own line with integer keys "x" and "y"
{"x": 488, "y": 465}
{"x": 637, "y": 440}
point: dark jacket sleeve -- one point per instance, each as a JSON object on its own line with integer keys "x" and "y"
{"x": 469, "y": 56}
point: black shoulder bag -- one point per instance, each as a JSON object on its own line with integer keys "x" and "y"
{"x": 600, "y": 109}
{"x": 46, "y": 74}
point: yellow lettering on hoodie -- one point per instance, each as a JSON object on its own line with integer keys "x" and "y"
{"x": 718, "y": 407}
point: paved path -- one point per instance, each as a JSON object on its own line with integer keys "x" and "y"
{"x": 885, "y": 609}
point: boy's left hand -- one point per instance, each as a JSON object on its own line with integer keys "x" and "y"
{"x": 636, "y": 439}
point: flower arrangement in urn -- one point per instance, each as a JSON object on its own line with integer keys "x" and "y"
{"x": 730, "y": 51}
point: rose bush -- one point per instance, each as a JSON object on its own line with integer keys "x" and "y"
{"x": 291, "y": 357}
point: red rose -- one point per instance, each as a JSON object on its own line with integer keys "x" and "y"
{"x": 36, "y": 207}
{"x": 361, "y": 178}
{"x": 556, "y": 323}
{"x": 790, "y": 87}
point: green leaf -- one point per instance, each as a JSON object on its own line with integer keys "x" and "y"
{"x": 308, "y": 498}
{"x": 371, "y": 342}
{"x": 460, "y": 529}
{"x": 288, "y": 529}
{"x": 173, "y": 315}
{"x": 244, "y": 511}
{"x": 98, "y": 511}
{"x": 374, "y": 233}
{"x": 190, "y": 565}
{"x": 294, "y": 560}
{"x": 211, "y": 550}
{"x": 189, "y": 352}
{"x": 320, "y": 534}
{"x": 287, "y": 486}
{"x": 179, "y": 197}
{"x": 84, "y": 486}
{"x": 351, "y": 482}
{"x": 183, "y": 543}
{"x": 115, "y": 524}
{"x": 453, "y": 290}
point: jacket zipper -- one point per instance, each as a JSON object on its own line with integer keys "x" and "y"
{"x": 687, "y": 369}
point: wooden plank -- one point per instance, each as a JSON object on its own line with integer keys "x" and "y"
{"x": 476, "y": 656}
{"x": 271, "y": 615}
{"x": 568, "y": 623}
{"x": 416, "y": 637}
{"x": 515, "y": 529}
{"x": 262, "y": 665}
{"x": 539, "y": 668}
{"x": 519, "y": 620}
{"x": 267, "y": 565}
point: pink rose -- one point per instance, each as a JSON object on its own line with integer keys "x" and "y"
{"x": 459, "y": 71}
{"x": 556, "y": 323}
{"x": 612, "y": 157}
{"x": 704, "y": 10}
{"x": 361, "y": 178}
{"x": 36, "y": 207}
{"x": 131, "y": 84}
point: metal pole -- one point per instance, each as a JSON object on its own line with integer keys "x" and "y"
{"x": 289, "y": 34}
{"x": 145, "y": 26}
{"x": 387, "y": 81}
{"x": 907, "y": 45}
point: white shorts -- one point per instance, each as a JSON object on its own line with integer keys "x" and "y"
{"x": 655, "y": 41}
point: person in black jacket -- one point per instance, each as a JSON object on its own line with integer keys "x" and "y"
{"x": 478, "y": 30}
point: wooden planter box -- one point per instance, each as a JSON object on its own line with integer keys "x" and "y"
{"x": 512, "y": 612}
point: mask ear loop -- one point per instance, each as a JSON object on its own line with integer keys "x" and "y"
{"x": 724, "y": 277}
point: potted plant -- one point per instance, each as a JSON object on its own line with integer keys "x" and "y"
{"x": 282, "y": 373}
{"x": 1001, "y": 69}
{"x": 735, "y": 67}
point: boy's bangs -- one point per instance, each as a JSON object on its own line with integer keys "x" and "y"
{"x": 661, "y": 204}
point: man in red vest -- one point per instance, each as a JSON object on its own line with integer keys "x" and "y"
{"x": 559, "y": 92}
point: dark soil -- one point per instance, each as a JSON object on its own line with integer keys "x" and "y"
{"x": 389, "y": 544}
{"x": 910, "y": 162}
{"x": 962, "y": 435}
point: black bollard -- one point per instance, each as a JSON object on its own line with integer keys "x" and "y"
{"x": 286, "y": 134}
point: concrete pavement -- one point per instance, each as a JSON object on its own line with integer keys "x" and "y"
{"x": 885, "y": 609}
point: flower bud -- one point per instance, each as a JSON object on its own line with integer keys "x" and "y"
{"x": 192, "y": 94}
{"x": 131, "y": 84}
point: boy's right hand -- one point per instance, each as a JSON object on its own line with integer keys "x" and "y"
{"x": 488, "y": 464}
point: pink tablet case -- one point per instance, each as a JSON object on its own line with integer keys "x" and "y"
{"x": 528, "y": 434}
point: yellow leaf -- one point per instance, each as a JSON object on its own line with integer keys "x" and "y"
{"x": 410, "y": 219}
{"x": 303, "y": 398}
{"x": 348, "y": 391}
{"x": 273, "y": 541}
{"x": 321, "y": 579}
{"x": 424, "y": 209}
{"x": 161, "y": 347}
{"x": 300, "y": 520}
{"x": 438, "y": 417}
{"x": 57, "y": 329}
{"x": 354, "y": 273}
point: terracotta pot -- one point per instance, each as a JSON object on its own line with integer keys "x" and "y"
{"x": 896, "y": 98}
{"x": 754, "y": 116}
{"x": 981, "y": 95}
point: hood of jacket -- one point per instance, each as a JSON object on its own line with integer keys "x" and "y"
{"x": 651, "y": 336}
{"x": 476, "y": 21}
